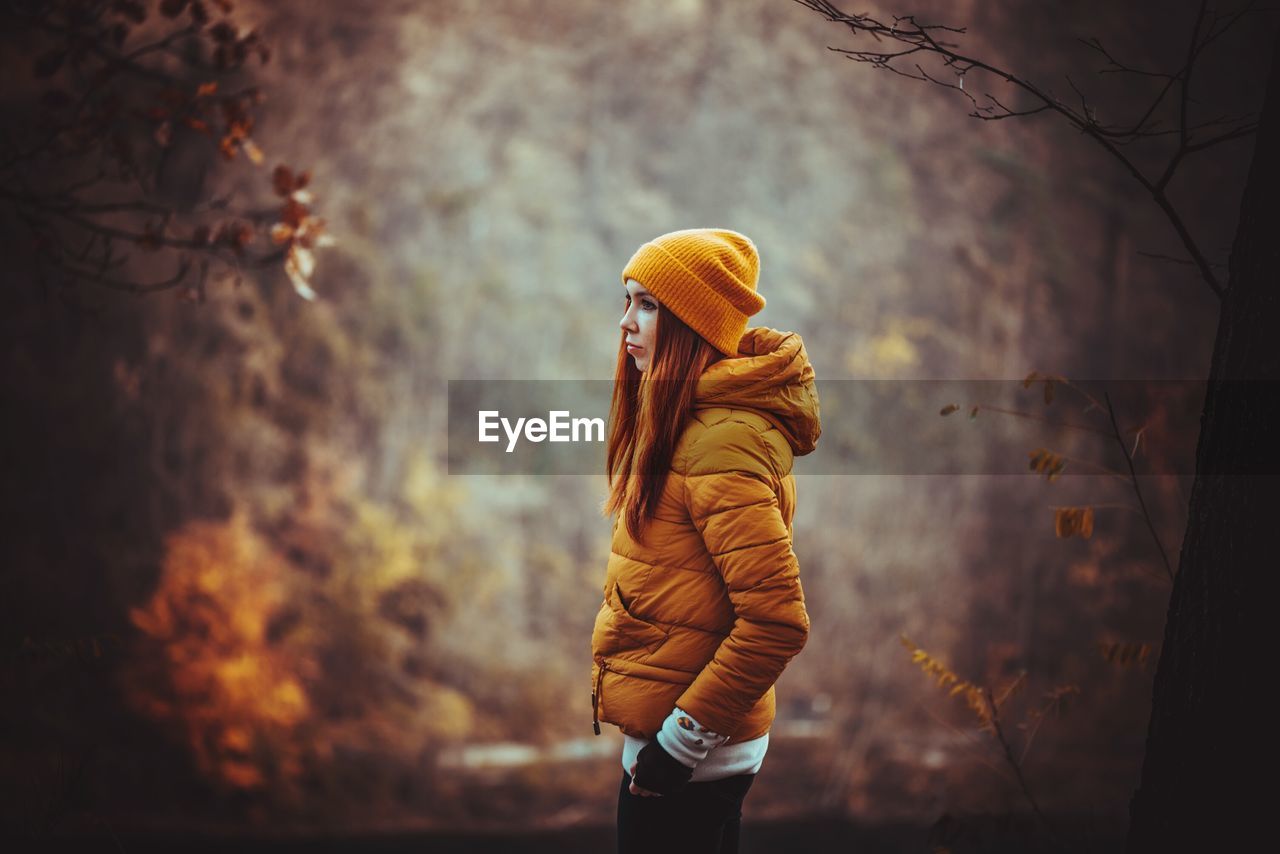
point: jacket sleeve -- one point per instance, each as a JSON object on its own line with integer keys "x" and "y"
{"x": 729, "y": 476}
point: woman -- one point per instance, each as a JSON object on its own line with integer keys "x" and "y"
{"x": 703, "y": 606}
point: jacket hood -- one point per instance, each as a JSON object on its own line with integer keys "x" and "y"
{"x": 771, "y": 376}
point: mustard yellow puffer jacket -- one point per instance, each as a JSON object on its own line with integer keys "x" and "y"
{"x": 707, "y": 613}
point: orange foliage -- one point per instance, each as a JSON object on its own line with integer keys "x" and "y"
{"x": 1068, "y": 521}
{"x": 971, "y": 694}
{"x": 219, "y": 587}
{"x": 1046, "y": 462}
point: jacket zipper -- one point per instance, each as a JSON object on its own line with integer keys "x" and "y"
{"x": 595, "y": 697}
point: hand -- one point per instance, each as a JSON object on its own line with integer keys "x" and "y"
{"x": 636, "y": 790}
{"x": 662, "y": 773}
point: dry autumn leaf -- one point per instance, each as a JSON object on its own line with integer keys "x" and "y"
{"x": 1046, "y": 462}
{"x": 1073, "y": 521}
{"x": 255, "y": 153}
{"x": 299, "y": 265}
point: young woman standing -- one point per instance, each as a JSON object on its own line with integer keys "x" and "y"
{"x": 703, "y": 607}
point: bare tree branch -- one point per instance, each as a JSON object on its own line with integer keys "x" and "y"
{"x": 912, "y": 37}
{"x": 1137, "y": 487}
{"x": 82, "y": 159}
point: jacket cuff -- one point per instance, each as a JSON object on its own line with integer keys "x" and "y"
{"x": 686, "y": 740}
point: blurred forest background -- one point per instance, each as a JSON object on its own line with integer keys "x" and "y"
{"x": 241, "y": 590}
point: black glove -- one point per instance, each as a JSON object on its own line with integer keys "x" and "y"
{"x": 659, "y": 771}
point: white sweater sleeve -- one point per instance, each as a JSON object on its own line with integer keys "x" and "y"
{"x": 685, "y": 739}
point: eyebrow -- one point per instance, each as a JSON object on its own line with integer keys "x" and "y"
{"x": 639, "y": 291}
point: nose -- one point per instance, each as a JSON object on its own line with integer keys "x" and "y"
{"x": 626, "y": 322}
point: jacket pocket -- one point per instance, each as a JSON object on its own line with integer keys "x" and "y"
{"x": 617, "y": 630}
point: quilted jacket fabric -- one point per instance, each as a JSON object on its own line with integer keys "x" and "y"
{"x": 708, "y": 612}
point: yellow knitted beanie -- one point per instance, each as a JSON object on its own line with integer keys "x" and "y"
{"x": 707, "y": 277}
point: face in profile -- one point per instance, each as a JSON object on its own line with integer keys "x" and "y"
{"x": 639, "y": 323}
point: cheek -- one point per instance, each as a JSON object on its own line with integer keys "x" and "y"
{"x": 649, "y": 325}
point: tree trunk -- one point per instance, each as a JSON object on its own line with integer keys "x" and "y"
{"x": 1204, "y": 785}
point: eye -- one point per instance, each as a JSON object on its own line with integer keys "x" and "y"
{"x": 648, "y": 305}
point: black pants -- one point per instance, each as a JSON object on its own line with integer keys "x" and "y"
{"x": 703, "y": 818}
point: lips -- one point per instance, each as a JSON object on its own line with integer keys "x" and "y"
{"x": 631, "y": 346}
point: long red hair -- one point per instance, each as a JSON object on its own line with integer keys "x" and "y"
{"x": 647, "y": 415}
